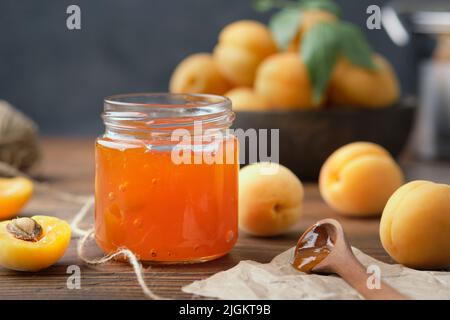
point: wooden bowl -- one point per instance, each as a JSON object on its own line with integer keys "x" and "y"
{"x": 307, "y": 138}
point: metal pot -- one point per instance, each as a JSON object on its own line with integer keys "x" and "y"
{"x": 403, "y": 20}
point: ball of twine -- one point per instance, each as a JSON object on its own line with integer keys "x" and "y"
{"x": 19, "y": 148}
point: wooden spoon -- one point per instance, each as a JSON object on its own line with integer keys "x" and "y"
{"x": 324, "y": 249}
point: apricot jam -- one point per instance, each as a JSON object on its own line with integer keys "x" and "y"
{"x": 312, "y": 248}
{"x": 147, "y": 200}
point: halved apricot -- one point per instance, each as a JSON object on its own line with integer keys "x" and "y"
{"x": 32, "y": 244}
{"x": 14, "y": 194}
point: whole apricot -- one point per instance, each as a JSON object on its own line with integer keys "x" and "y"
{"x": 358, "y": 179}
{"x": 283, "y": 80}
{"x": 198, "y": 73}
{"x": 14, "y": 194}
{"x": 242, "y": 46}
{"x": 415, "y": 225}
{"x": 351, "y": 85}
{"x": 32, "y": 244}
{"x": 270, "y": 199}
{"x": 307, "y": 19}
{"x": 246, "y": 99}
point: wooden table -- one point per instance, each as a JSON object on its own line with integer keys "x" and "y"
{"x": 68, "y": 165}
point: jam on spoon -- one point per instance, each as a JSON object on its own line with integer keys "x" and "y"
{"x": 324, "y": 249}
{"x": 313, "y": 246}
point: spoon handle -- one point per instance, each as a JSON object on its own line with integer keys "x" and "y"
{"x": 354, "y": 273}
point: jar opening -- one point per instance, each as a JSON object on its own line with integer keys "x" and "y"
{"x": 165, "y": 111}
{"x": 166, "y": 100}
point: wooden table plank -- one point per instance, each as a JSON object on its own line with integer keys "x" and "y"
{"x": 68, "y": 165}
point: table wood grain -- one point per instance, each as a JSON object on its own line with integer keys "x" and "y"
{"x": 68, "y": 165}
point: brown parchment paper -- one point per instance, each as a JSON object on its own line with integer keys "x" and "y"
{"x": 279, "y": 280}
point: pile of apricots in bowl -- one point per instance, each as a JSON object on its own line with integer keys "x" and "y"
{"x": 306, "y": 59}
{"x": 308, "y": 74}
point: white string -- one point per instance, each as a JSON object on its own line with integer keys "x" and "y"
{"x": 63, "y": 195}
{"x": 131, "y": 258}
{"x": 80, "y": 216}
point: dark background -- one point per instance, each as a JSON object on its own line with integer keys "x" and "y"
{"x": 59, "y": 77}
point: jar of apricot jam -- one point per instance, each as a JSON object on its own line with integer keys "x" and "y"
{"x": 166, "y": 177}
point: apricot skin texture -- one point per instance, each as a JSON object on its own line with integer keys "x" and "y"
{"x": 242, "y": 46}
{"x": 284, "y": 81}
{"x": 14, "y": 194}
{"x": 358, "y": 179}
{"x": 351, "y": 85}
{"x": 269, "y": 204}
{"x": 415, "y": 225}
{"x": 20, "y": 255}
{"x": 246, "y": 99}
{"x": 198, "y": 74}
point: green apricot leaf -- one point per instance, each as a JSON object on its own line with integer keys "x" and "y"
{"x": 319, "y": 51}
{"x": 354, "y": 46}
{"x": 284, "y": 26}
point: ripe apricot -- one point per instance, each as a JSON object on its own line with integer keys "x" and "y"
{"x": 415, "y": 225}
{"x": 283, "y": 80}
{"x": 32, "y": 244}
{"x": 242, "y": 46}
{"x": 358, "y": 179}
{"x": 246, "y": 99}
{"x": 198, "y": 73}
{"x": 308, "y": 19}
{"x": 14, "y": 194}
{"x": 270, "y": 199}
{"x": 352, "y": 85}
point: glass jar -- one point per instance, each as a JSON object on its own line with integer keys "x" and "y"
{"x": 166, "y": 181}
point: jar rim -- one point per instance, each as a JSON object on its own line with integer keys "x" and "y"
{"x": 163, "y": 100}
{"x": 165, "y": 111}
